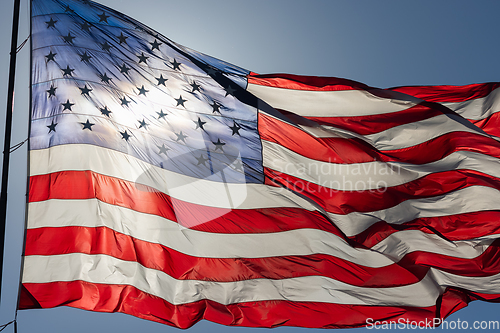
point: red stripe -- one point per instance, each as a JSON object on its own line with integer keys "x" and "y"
{"x": 443, "y": 146}
{"x": 72, "y": 185}
{"x": 59, "y": 241}
{"x": 454, "y": 227}
{"x": 87, "y": 184}
{"x": 339, "y": 150}
{"x": 450, "y": 94}
{"x": 490, "y": 125}
{"x": 485, "y": 297}
{"x": 299, "y": 82}
{"x": 370, "y": 124}
{"x": 362, "y": 200}
{"x": 336, "y": 150}
{"x": 418, "y": 262}
{"x": 127, "y": 299}
{"x": 101, "y": 240}
{"x": 410, "y": 269}
{"x": 487, "y": 264}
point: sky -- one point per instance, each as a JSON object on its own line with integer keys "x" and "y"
{"x": 380, "y": 43}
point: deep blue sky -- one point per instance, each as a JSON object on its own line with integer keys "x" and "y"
{"x": 380, "y": 43}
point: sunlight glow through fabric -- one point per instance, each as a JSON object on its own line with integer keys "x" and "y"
{"x": 176, "y": 187}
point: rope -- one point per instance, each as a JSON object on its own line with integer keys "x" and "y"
{"x": 22, "y": 44}
{"x": 16, "y": 147}
{"x": 10, "y": 322}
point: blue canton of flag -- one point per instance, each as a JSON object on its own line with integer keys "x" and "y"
{"x": 103, "y": 79}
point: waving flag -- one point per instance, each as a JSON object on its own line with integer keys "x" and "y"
{"x": 176, "y": 187}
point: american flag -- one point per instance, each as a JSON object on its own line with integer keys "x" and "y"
{"x": 176, "y": 187}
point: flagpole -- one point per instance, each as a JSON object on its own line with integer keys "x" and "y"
{"x": 8, "y": 130}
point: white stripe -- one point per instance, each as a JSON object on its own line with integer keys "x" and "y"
{"x": 83, "y": 157}
{"x": 467, "y": 200}
{"x": 155, "y": 229}
{"x": 188, "y": 189}
{"x": 345, "y": 177}
{"x": 399, "y": 244}
{"x": 344, "y": 103}
{"x": 418, "y": 132}
{"x": 369, "y": 175}
{"x": 402, "y": 136}
{"x": 325, "y": 131}
{"x": 480, "y": 284}
{"x": 479, "y": 108}
{"x": 93, "y": 213}
{"x": 108, "y": 270}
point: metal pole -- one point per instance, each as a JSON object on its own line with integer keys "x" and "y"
{"x": 8, "y": 130}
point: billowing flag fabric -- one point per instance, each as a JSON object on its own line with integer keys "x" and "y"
{"x": 176, "y": 187}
